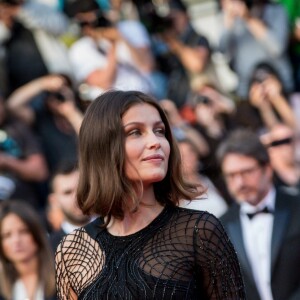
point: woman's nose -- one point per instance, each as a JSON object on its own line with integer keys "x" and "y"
{"x": 153, "y": 141}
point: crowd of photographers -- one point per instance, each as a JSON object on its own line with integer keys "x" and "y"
{"x": 57, "y": 56}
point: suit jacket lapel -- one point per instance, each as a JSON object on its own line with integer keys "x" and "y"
{"x": 281, "y": 217}
{"x": 235, "y": 231}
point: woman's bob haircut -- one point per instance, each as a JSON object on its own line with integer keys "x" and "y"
{"x": 103, "y": 187}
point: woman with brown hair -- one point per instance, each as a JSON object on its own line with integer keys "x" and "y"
{"x": 27, "y": 269}
{"x": 143, "y": 246}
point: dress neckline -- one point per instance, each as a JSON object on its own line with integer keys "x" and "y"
{"x": 153, "y": 223}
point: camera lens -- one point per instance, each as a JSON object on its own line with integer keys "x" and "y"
{"x": 59, "y": 96}
{"x": 202, "y": 99}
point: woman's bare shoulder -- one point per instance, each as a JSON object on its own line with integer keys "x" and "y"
{"x": 79, "y": 258}
{"x": 77, "y": 245}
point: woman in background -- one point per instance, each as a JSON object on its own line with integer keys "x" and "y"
{"x": 27, "y": 269}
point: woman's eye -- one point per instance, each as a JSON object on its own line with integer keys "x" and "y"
{"x": 160, "y": 131}
{"x": 134, "y": 132}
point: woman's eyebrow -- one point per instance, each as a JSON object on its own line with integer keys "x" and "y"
{"x": 142, "y": 123}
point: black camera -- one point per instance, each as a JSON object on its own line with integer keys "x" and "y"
{"x": 58, "y": 96}
{"x": 100, "y": 22}
{"x": 260, "y": 75}
{"x": 153, "y": 19}
{"x": 157, "y": 24}
{"x": 202, "y": 99}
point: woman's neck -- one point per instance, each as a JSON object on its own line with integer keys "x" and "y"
{"x": 28, "y": 274}
{"x": 31, "y": 284}
{"x": 27, "y": 267}
{"x": 132, "y": 222}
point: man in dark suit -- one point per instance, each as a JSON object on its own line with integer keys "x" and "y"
{"x": 264, "y": 223}
{"x": 63, "y": 196}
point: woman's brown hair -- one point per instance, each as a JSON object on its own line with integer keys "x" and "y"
{"x": 46, "y": 271}
{"x": 103, "y": 186}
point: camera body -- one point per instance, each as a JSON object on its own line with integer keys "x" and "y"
{"x": 59, "y": 96}
{"x": 100, "y": 22}
{"x": 155, "y": 18}
{"x": 200, "y": 99}
{"x": 260, "y": 75}
{"x": 156, "y": 23}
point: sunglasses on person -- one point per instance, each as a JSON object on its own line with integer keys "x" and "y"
{"x": 280, "y": 142}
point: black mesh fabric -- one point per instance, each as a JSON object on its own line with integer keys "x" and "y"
{"x": 181, "y": 254}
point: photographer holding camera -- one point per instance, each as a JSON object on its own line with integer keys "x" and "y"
{"x": 49, "y": 105}
{"x": 30, "y": 41}
{"x": 267, "y": 95}
{"x": 22, "y": 163}
{"x": 268, "y": 103}
{"x": 110, "y": 55}
{"x": 255, "y": 31}
{"x": 181, "y": 53}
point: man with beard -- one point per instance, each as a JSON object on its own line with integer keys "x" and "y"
{"x": 63, "y": 199}
{"x": 264, "y": 224}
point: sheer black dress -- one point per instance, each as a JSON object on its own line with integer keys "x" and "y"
{"x": 181, "y": 254}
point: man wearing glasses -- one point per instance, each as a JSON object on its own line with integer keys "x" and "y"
{"x": 264, "y": 223}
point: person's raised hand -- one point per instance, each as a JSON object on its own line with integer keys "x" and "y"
{"x": 51, "y": 83}
{"x": 257, "y": 96}
{"x": 297, "y": 30}
{"x": 64, "y": 104}
{"x": 272, "y": 87}
{"x": 229, "y": 12}
{"x": 205, "y": 114}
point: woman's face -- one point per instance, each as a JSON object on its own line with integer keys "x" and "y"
{"x": 146, "y": 147}
{"x": 17, "y": 242}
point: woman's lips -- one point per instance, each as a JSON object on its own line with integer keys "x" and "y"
{"x": 153, "y": 157}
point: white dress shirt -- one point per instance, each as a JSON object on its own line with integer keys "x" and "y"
{"x": 19, "y": 292}
{"x": 68, "y": 227}
{"x": 257, "y": 235}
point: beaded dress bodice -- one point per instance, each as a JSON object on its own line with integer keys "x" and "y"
{"x": 181, "y": 254}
